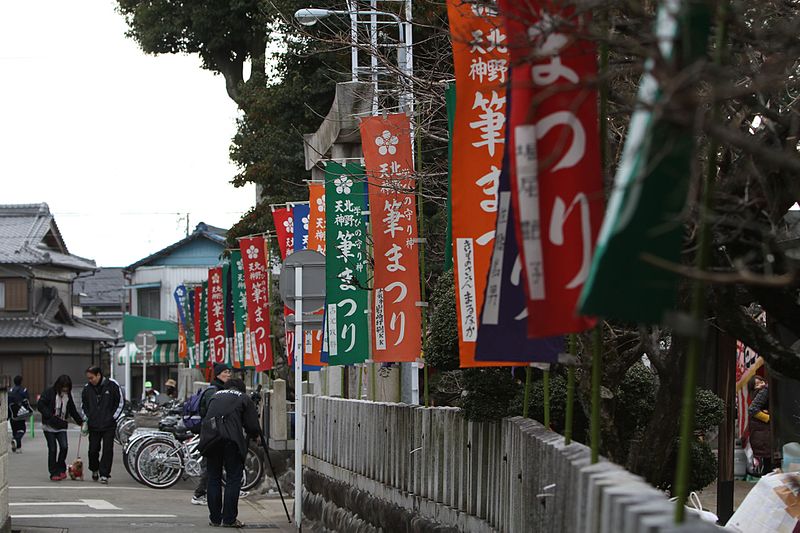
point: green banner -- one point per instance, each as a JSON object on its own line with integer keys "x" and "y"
{"x": 346, "y": 264}
{"x": 202, "y": 357}
{"x": 643, "y": 227}
{"x": 450, "y": 100}
{"x": 239, "y": 302}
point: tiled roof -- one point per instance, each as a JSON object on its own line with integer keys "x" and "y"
{"x": 202, "y": 231}
{"x": 29, "y": 235}
{"x": 39, "y": 328}
{"x": 102, "y": 288}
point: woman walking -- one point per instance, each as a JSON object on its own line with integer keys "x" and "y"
{"x": 760, "y": 435}
{"x": 17, "y": 405}
{"x": 55, "y": 405}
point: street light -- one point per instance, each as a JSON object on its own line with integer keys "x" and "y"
{"x": 310, "y": 16}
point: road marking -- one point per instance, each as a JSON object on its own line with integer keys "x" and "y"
{"x": 100, "y": 505}
{"x": 93, "y": 515}
{"x": 88, "y": 487}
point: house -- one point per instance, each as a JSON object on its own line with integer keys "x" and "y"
{"x": 41, "y": 337}
{"x": 151, "y": 284}
{"x": 102, "y": 296}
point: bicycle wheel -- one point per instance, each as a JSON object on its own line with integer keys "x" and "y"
{"x": 125, "y": 429}
{"x": 131, "y": 452}
{"x": 253, "y": 468}
{"x": 159, "y": 463}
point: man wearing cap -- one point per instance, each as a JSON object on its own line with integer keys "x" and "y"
{"x": 222, "y": 373}
{"x": 150, "y": 394}
{"x": 171, "y": 389}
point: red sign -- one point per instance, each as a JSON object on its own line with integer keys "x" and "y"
{"x": 284, "y": 229}
{"x": 386, "y": 142}
{"x": 557, "y": 184}
{"x": 196, "y": 317}
{"x": 254, "y": 259}
{"x": 216, "y": 315}
{"x": 316, "y": 217}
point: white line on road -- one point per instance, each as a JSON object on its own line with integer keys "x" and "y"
{"x": 93, "y": 515}
{"x": 100, "y": 505}
{"x": 87, "y": 487}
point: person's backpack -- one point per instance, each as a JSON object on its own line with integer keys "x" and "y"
{"x": 191, "y": 410}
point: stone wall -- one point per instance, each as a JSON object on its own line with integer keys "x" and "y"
{"x": 5, "y": 449}
{"x": 404, "y": 468}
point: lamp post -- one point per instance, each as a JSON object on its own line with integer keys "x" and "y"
{"x": 310, "y": 16}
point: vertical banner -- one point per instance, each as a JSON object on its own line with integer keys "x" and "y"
{"x": 643, "y": 225}
{"x": 346, "y": 266}
{"x": 503, "y": 331}
{"x": 254, "y": 257}
{"x": 480, "y": 59}
{"x": 397, "y": 335}
{"x": 450, "y": 101}
{"x": 231, "y": 355}
{"x": 316, "y": 221}
{"x": 180, "y": 301}
{"x": 284, "y": 229}
{"x": 216, "y": 316}
{"x": 194, "y": 330}
{"x": 239, "y": 297}
{"x": 557, "y": 181}
{"x": 203, "y": 358}
{"x": 300, "y": 215}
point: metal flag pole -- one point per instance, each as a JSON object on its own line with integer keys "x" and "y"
{"x": 299, "y": 422}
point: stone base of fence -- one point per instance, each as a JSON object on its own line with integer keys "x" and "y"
{"x": 433, "y": 467}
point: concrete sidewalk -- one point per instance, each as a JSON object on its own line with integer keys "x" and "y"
{"x": 38, "y": 504}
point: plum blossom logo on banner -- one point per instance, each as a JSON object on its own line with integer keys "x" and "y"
{"x": 252, "y": 252}
{"x": 305, "y": 223}
{"x": 343, "y": 184}
{"x": 386, "y": 143}
{"x": 289, "y": 225}
{"x": 321, "y": 204}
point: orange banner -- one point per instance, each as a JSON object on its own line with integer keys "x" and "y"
{"x": 316, "y": 217}
{"x": 397, "y": 333}
{"x": 480, "y": 59}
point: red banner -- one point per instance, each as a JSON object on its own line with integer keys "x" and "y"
{"x": 254, "y": 259}
{"x": 480, "y": 59}
{"x": 196, "y": 317}
{"x": 284, "y": 229}
{"x": 555, "y": 164}
{"x": 316, "y": 218}
{"x": 389, "y": 165}
{"x": 216, "y": 315}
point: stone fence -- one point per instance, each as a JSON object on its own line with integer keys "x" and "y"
{"x": 396, "y": 467}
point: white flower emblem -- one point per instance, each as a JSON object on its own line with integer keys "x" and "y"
{"x": 252, "y": 252}
{"x": 343, "y": 184}
{"x": 305, "y": 223}
{"x": 386, "y": 143}
{"x": 321, "y": 204}
{"x": 289, "y": 225}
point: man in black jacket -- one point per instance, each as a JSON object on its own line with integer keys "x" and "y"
{"x": 230, "y": 414}
{"x": 102, "y": 404}
{"x": 222, "y": 373}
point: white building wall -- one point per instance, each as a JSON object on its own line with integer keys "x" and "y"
{"x": 169, "y": 277}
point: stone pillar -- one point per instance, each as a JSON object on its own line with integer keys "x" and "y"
{"x": 278, "y": 420}
{"x": 5, "y": 447}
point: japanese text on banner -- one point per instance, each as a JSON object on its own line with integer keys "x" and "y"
{"x": 480, "y": 58}
{"x": 389, "y": 165}
{"x": 216, "y": 315}
{"x": 254, "y": 257}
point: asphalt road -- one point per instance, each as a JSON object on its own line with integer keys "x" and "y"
{"x": 122, "y": 505}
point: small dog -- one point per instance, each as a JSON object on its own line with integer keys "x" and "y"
{"x": 76, "y": 469}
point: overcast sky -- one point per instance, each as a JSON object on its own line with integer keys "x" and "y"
{"x": 121, "y": 145}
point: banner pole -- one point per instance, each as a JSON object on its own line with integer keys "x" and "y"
{"x": 597, "y": 365}
{"x": 423, "y": 292}
{"x": 360, "y": 373}
{"x": 570, "y": 392}
{"x": 527, "y": 396}
{"x": 698, "y": 305}
{"x": 546, "y": 393}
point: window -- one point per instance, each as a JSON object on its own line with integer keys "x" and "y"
{"x": 149, "y": 302}
{"x": 14, "y": 294}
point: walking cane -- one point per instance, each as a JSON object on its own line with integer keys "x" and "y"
{"x": 275, "y": 477}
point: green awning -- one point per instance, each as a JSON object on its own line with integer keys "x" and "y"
{"x": 166, "y": 353}
{"x": 164, "y": 330}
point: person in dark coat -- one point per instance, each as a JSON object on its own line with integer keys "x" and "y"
{"x": 760, "y": 436}
{"x": 55, "y": 405}
{"x": 231, "y": 414}
{"x": 17, "y": 398}
{"x": 102, "y": 406}
{"x": 222, "y": 373}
